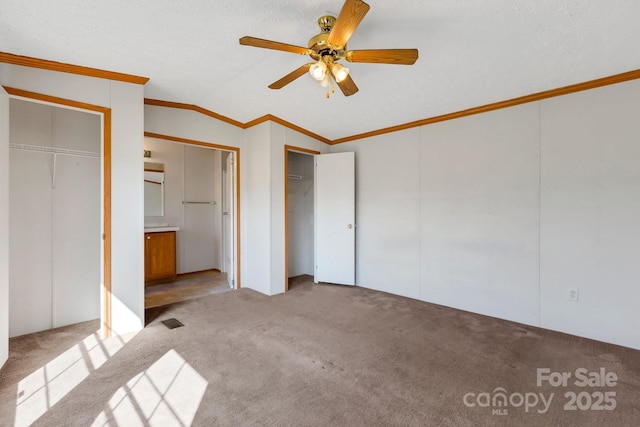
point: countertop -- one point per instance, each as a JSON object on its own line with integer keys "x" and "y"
{"x": 160, "y": 229}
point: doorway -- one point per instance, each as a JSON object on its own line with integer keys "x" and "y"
{"x": 331, "y": 217}
{"x": 201, "y": 201}
{"x": 299, "y": 212}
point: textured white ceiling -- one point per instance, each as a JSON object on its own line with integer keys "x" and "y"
{"x": 471, "y": 52}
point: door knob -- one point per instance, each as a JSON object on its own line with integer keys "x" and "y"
{"x": 349, "y": 226}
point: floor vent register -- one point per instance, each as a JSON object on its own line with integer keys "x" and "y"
{"x": 172, "y": 323}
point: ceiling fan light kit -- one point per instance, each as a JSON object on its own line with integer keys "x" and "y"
{"x": 330, "y": 46}
{"x": 339, "y": 72}
{"x": 318, "y": 70}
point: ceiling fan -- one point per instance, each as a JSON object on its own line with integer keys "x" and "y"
{"x": 330, "y": 46}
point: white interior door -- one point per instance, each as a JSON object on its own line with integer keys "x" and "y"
{"x": 228, "y": 203}
{"x": 30, "y": 242}
{"x": 75, "y": 242}
{"x": 335, "y": 218}
{"x": 4, "y": 226}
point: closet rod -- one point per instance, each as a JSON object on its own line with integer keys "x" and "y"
{"x": 52, "y": 150}
{"x": 300, "y": 177}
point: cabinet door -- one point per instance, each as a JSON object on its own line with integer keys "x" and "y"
{"x": 160, "y": 255}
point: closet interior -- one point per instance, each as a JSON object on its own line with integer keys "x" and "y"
{"x": 55, "y": 194}
{"x": 300, "y": 201}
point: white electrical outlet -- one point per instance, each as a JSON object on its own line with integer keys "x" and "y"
{"x": 573, "y": 294}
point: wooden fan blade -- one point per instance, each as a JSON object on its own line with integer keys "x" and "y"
{"x": 348, "y": 86}
{"x": 268, "y": 44}
{"x": 383, "y": 56}
{"x": 352, "y": 13}
{"x": 290, "y": 77}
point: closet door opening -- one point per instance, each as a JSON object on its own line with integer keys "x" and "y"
{"x": 55, "y": 199}
{"x": 299, "y": 213}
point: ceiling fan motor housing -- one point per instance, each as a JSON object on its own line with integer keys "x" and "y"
{"x": 318, "y": 43}
{"x": 326, "y": 23}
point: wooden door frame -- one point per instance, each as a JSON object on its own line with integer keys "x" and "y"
{"x": 105, "y": 113}
{"x": 236, "y": 151}
{"x": 301, "y": 150}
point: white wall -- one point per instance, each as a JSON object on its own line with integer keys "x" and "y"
{"x": 479, "y": 213}
{"x": 191, "y": 125}
{"x": 4, "y": 225}
{"x": 126, "y": 103}
{"x": 54, "y": 269}
{"x": 256, "y": 209}
{"x": 590, "y": 213}
{"x": 468, "y": 213}
{"x": 127, "y": 199}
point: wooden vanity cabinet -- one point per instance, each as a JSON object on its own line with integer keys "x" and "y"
{"x": 159, "y": 257}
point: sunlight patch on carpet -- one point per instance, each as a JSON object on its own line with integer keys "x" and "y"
{"x": 38, "y": 392}
{"x": 167, "y": 394}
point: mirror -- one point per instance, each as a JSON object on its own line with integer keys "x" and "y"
{"x": 153, "y": 189}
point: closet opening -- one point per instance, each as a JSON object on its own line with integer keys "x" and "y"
{"x": 59, "y": 181}
{"x": 299, "y": 212}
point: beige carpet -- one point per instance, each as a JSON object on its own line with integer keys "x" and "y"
{"x": 319, "y": 355}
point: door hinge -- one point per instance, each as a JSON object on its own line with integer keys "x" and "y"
{"x": 103, "y": 236}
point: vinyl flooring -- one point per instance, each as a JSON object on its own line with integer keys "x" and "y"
{"x": 186, "y": 287}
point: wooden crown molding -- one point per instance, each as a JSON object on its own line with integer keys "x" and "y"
{"x": 275, "y": 119}
{"x": 191, "y": 141}
{"x": 54, "y": 100}
{"x": 44, "y": 64}
{"x": 300, "y": 149}
{"x": 192, "y": 107}
{"x": 565, "y": 90}
{"x": 26, "y": 61}
{"x": 265, "y": 118}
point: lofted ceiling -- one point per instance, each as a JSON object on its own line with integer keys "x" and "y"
{"x": 472, "y": 52}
